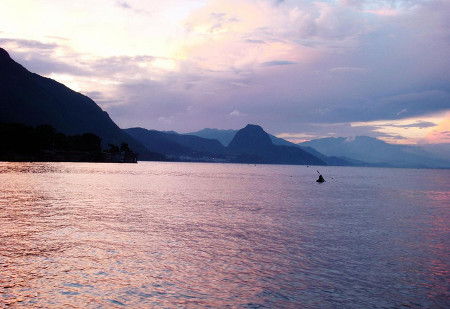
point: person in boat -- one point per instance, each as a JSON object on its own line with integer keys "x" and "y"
{"x": 320, "y": 178}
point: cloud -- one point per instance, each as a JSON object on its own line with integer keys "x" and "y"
{"x": 315, "y": 131}
{"x": 26, "y": 43}
{"x": 277, "y": 63}
{"x": 440, "y": 134}
{"x": 166, "y": 120}
{"x": 404, "y": 110}
{"x": 380, "y": 4}
{"x": 348, "y": 70}
{"x": 123, "y": 4}
{"x": 44, "y": 57}
{"x": 417, "y": 124}
{"x": 416, "y": 103}
{"x": 236, "y": 113}
{"x": 252, "y": 41}
{"x": 409, "y": 130}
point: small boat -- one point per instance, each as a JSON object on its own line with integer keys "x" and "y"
{"x": 320, "y": 179}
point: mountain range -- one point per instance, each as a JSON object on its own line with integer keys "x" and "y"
{"x": 223, "y": 136}
{"x": 175, "y": 145}
{"x": 373, "y": 152}
{"x": 33, "y": 100}
{"x": 358, "y": 151}
{"x": 226, "y": 136}
{"x": 249, "y": 145}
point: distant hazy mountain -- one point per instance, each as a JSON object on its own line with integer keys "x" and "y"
{"x": 376, "y": 152}
{"x": 333, "y": 160}
{"x": 441, "y": 151}
{"x": 329, "y": 160}
{"x": 31, "y": 99}
{"x": 223, "y": 136}
{"x": 177, "y": 145}
{"x": 253, "y": 145}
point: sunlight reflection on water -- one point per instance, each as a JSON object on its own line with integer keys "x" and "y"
{"x": 222, "y": 235}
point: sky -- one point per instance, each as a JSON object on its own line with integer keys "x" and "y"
{"x": 301, "y": 69}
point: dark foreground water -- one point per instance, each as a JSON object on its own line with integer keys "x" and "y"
{"x": 178, "y": 235}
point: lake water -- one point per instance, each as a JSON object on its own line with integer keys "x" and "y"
{"x": 177, "y": 235}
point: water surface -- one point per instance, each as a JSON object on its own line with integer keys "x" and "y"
{"x": 178, "y": 235}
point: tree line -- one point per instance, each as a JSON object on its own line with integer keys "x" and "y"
{"x": 19, "y": 142}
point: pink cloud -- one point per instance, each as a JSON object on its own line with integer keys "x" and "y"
{"x": 440, "y": 134}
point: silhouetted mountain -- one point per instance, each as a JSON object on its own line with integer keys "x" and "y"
{"x": 199, "y": 144}
{"x": 226, "y": 136}
{"x": 223, "y": 136}
{"x": 253, "y": 145}
{"x": 252, "y": 140}
{"x": 249, "y": 145}
{"x": 178, "y": 146}
{"x": 33, "y": 100}
{"x": 376, "y": 152}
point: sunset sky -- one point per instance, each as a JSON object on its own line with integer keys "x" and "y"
{"x": 301, "y": 69}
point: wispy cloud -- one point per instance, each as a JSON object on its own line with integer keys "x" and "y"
{"x": 348, "y": 70}
{"x": 236, "y": 113}
{"x": 277, "y": 63}
{"x": 417, "y": 124}
{"x": 27, "y": 43}
{"x": 123, "y": 4}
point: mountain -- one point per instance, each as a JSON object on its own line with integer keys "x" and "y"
{"x": 177, "y": 145}
{"x": 441, "y": 151}
{"x": 223, "y": 136}
{"x": 252, "y": 140}
{"x": 376, "y": 152}
{"x": 329, "y": 160}
{"x": 249, "y": 145}
{"x": 226, "y": 136}
{"x": 33, "y": 100}
{"x": 253, "y": 145}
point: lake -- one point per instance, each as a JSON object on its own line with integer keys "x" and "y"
{"x": 197, "y": 235}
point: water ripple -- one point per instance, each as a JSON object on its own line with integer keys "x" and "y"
{"x": 176, "y": 235}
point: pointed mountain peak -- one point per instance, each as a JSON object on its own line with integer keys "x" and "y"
{"x": 251, "y": 139}
{"x": 254, "y": 128}
{"x": 255, "y": 131}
